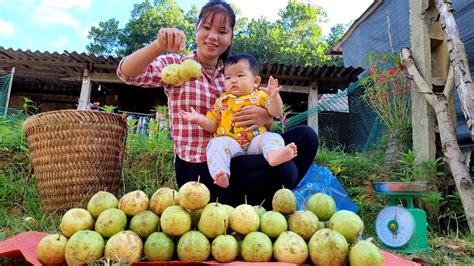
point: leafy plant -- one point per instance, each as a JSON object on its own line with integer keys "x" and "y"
{"x": 30, "y": 107}
{"x": 108, "y": 108}
{"x": 411, "y": 170}
{"x": 280, "y": 124}
{"x": 387, "y": 90}
{"x": 160, "y": 109}
{"x": 433, "y": 200}
{"x": 161, "y": 119}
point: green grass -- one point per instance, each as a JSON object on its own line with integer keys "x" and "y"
{"x": 148, "y": 165}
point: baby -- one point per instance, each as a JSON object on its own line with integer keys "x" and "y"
{"x": 241, "y": 74}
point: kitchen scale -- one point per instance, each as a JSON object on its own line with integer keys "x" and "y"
{"x": 402, "y": 228}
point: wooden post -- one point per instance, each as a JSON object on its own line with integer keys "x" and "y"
{"x": 423, "y": 124}
{"x": 9, "y": 90}
{"x": 312, "y": 102}
{"x": 457, "y": 56}
{"x": 84, "y": 98}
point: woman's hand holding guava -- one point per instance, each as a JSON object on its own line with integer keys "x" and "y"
{"x": 171, "y": 40}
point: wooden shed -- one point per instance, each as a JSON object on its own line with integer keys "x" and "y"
{"x": 57, "y": 80}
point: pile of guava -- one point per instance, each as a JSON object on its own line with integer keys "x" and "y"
{"x": 185, "y": 225}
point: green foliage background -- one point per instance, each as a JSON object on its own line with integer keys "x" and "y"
{"x": 295, "y": 38}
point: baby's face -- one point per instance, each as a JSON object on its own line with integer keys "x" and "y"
{"x": 239, "y": 79}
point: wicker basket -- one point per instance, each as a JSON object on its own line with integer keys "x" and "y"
{"x": 74, "y": 154}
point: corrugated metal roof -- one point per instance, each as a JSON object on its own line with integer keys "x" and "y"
{"x": 334, "y": 102}
{"x": 60, "y": 69}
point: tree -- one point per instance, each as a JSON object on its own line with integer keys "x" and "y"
{"x": 146, "y": 19}
{"x": 295, "y": 39}
{"x": 336, "y": 33}
{"x": 302, "y": 43}
{"x": 334, "y": 36}
{"x": 104, "y": 38}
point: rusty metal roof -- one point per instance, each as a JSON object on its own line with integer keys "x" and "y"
{"x": 329, "y": 79}
{"x": 61, "y": 71}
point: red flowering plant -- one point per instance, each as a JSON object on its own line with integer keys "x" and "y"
{"x": 387, "y": 90}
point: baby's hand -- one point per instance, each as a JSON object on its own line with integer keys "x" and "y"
{"x": 190, "y": 116}
{"x": 272, "y": 89}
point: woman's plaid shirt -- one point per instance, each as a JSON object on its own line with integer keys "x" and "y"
{"x": 189, "y": 139}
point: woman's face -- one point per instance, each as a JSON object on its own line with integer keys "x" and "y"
{"x": 213, "y": 37}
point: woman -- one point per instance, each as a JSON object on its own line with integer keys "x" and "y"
{"x": 251, "y": 174}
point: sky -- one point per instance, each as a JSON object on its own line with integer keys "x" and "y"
{"x": 58, "y": 25}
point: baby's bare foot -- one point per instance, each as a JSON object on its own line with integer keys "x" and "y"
{"x": 221, "y": 179}
{"x": 276, "y": 157}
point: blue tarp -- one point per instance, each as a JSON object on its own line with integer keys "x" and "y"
{"x": 315, "y": 180}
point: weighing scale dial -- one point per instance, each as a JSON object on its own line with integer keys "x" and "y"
{"x": 395, "y": 226}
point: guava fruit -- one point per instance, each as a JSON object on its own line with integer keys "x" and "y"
{"x": 110, "y": 222}
{"x": 133, "y": 202}
{"x": 158, "y": 247}
{"x": 175, "y": 221}
{"x": 244, "y": 219}
{"x": 124, "y": 246}
{"x": 170, "y": 75}
{"x": 214, "y": 220}
{"x": 256, "y": 247}
{"x": 224, "y": 248}
{"x": 348, "y": 224}
{"x": 195, "y": 217}
{"x": 193, "y": 195}
{"x": 51, "y": 249}
{"x": 193, "y": 246}
{"x": 322, "y": 205}
{"x": 365, "y": 253}
{"x": 229, "y": 209}
{"x": 321, "y": 225}
{"x": 84, "y": 246}
{"x": 163, "y": 198}
{"x": 144, "y": 223}
{"x": 74, "y": 220}
{"x": 260, "y": 210}
{"x": 290, "y": 247}
{"x": 189, "y": 70}
{"x": 303, "y": 223}
{"x": 100, "y": 202}
{"x": 328, "y": 247}
{"x": 284, "y": 201}
{"x": 273, "y": 224}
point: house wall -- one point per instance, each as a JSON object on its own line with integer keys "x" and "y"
{"x": 465, "y": 19}
{"x": 371, "y": 35}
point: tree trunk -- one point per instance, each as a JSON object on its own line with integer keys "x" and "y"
{"x": 394, "y": 149}
{"x": 452, "y": 153}
{"x": 457, "y": 56}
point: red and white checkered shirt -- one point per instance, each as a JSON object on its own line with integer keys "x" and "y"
{"x": 189, "y": 139}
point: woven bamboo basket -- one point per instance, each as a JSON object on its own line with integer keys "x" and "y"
{"x": 74, "y": 154}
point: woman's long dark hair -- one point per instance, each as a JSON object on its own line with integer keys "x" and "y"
{"x": 219, "y": 6}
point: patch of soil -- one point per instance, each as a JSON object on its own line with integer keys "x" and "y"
{"x": 9, "y": 159}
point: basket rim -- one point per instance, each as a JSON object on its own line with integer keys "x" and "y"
{"x": 72, "y": 115}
